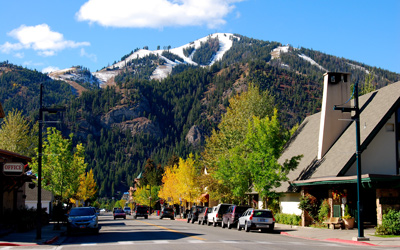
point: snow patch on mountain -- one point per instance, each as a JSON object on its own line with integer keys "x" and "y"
{"x": 353, "y": 66}
{"x": 275, "y": 53}
{"x": 162, "y": 71}
{"x": 308, "y": 59}
{"x": 75, "y": 74}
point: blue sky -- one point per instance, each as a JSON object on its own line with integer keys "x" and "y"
{"x": 46, "y": 34}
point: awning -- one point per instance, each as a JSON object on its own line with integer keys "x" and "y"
{"x": 204, "y": 197}
{"x": 367, "y": 180}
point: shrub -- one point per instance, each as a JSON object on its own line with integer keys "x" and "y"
{"x": 310, "y": 204}
{"x": 288, "y": 219}
{"x": 323, "y": 211}
{"x": 390, "y": 223}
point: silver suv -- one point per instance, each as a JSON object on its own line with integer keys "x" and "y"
{"x": 215, "y": 217}
{"x": 254, "y": 219}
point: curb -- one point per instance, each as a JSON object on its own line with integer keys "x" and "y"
{"x": 351, "y": 242}
{"x": 6, "y": 244}
{"x": 51, "y": 241}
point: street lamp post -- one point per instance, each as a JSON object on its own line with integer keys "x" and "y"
{"x": 356, "y": 117}
{"x": 39, "y": 195}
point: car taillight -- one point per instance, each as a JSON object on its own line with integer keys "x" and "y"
{"x": 251, "y": 216}
{"x": 273, "y": 218}
{"x": 147, "y": 211}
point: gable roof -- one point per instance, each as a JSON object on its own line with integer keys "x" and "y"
{"x": 376, "y": 108}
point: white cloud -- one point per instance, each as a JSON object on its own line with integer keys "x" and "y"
{"x": 156, "y": 13}
{"x": 19, "y": 55}
{"x": 39, "y": 38}
{"x": 92, "y": 57}
{"x": 49, "y": 69}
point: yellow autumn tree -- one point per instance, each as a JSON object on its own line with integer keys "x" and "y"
{"x": 169, "y": 188}
{"x": 87, "y": 186}
{"x": 187, "y": 175}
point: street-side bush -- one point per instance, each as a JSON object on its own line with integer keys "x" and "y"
{"x": 390, "y": 223}
{"x": 310, "y": 204}
{"x": 288, "y": 219}
{"x": 323, "y": 211}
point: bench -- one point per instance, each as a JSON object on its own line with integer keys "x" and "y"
{"x": 333, "y": 221}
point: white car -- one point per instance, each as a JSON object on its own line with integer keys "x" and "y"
{"x": 254, "y": 219}
{"x": 215, "y": 217}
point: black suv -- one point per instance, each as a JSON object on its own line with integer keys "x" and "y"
{"x": 231, "y": 216}
{"x": 167, "y": 213}
{"x": 194, "y": 213}
{"x": 141, "y": 211}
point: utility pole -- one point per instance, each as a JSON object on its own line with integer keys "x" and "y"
{"x": 39, "y": 195}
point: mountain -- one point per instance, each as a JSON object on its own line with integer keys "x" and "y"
{"x": 163, "y": 103}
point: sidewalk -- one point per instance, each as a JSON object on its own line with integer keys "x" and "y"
{"x": 49, "y": 236}
{"x": 337, "y": 235}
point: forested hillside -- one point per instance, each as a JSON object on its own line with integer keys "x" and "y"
{"x": 123, "y": 125}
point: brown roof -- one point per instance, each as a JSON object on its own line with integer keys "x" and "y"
{"x": 13, "y": 155}
{"x": 376, "y": 108}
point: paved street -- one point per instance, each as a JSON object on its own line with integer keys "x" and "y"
{"x": 154, "y": 233}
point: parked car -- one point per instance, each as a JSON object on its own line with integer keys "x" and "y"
{"x": 119, "y": 213}
{"x": 167, "y": 213}
{"x": 215, "y": 217}
{"x": 127, "y": 210}
{"x": 203, "y": 215}
{"x": 141, "y": 211}
{"x": 194, "y": 214}
{"x": 254, "y": 219}
{"x": 82, "y": 219}
{"x": 230, "y": 218}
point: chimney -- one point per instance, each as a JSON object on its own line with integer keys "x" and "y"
{"x": 333, "y": 123}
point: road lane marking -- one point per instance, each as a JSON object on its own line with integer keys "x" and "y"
{"x": 161, "y": 241}
{"x": 126, "y": 242}
{"x": 172, "y": 230}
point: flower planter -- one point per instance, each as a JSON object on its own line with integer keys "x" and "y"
{"x": 349, "y": 223}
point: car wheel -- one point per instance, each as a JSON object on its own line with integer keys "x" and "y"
{"x": 146, "y": 217}
{"x": 160, "y": 218}
{"x": 114, "y": 218}
{"x": 135, "y": 217}
{"x": 229, "y": 224}
{"x": 124, "y": 218}
{"x": 214, "y": 223}
{"x": 188, "y": 220}
{"x": 172, "y": 218}
{"x": 238, "y": 227}
{"x": 222, "y": 224}
{"x": 246, "y": 228}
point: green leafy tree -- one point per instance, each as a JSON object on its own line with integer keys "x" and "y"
{"x": 225, "y": 145}
{"x": 62, "y": 165}
{"x": 17, "y": 134}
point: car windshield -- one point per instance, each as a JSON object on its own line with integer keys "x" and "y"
{"x": 127, "y": 208}
{"x": 240, "y": 210}
{"x": 223, "y": 209}
{"x": 119, "y": 211}
{"x": 141, "y": 209}
{"x": 168, "y": 209}
{"x": 81, "y": 212}
{"x": 267, "y": 214}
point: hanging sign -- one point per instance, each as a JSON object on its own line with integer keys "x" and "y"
{"x": 13, "y": 168}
